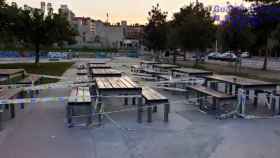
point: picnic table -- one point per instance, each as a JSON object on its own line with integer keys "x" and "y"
{"x": 11, "y": 73}
{"x": 217, "y": 96}
{"x": 122, "y": 87}
{"x": 31, "y": 80}
{"x": 79, "y": 98}
{"x": 82, "y": 72}
{"x": 145, "y": 62}
{"x": 97, "y": 62}
{"x": 242, "y": 83}
{"x": 191, "y": 72}
{"x": 99, "y": 66}
{"x": 105, "y": 73}
{"x": 5, "y": 94}
{"x": 164, "y": 67}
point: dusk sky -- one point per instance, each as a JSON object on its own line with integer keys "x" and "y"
{"x": 134, "y": 11}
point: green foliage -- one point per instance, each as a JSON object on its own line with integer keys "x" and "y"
{"x": 33, "y": 28}
{"x": 194, "y": 27}
{"x": 236, "y": 31}
{"x": 55, "y": 69}
{"x": 155, "y": 30}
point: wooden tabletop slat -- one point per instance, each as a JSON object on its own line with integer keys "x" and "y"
{"x": 191, "y": 70}
{"x": 239, "y": 80}
{"x": 210, "y": 92}
{"x": 115, "y": 83}
{"x": 80, "y": 95}
{"x": 129, "y": 82}
{"x": 166, "y": 66}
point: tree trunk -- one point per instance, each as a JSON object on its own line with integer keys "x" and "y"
{"x": 265, "y": 59}
{"x": 37, "y": 53}
{"x": 174, "y": 57}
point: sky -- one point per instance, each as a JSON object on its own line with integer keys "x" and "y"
{"x": 134, "y": 11}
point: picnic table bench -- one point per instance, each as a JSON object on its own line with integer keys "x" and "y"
{"x": 6, "y": 94}
{"x": 99, "y": 66}
{"x": 79, "y": 98}
{"x": 152, "y": 99}
{"x": 164, "y": 67}
{"x": 105, "y": 73}
{"x": 217, "y": 96}
{"x": 136, "y": 69}
{"x": 11, "y": 73}
{"x": 148, "y": 64}
{"x": 191, "y": 72}
{"x": 82, "y": 72}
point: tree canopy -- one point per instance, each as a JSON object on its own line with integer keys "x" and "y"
{"x": 34, "y": 28}
{"x": 155, "y": 31}
{"x": 194, "y": 27}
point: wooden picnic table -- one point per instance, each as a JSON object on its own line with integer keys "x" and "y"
{"x": 148, "y": 64}
{"x": 5, "y": 94}
{"x": 119, "y": 87}
{"x": 191, "y": 72}
{"x": 97, "y": 62}
{"x": 105, "y": 73}
{"x": 246, "y": 84}
{"x": 242, "y": 82}
{"x": 164, "y": 67}
{"x": 11, "y": 73}
{"x": 145, "y": 62}
{"x": 79, "y": 98}
{"x": 31, "y": 79}
{"x": 217, "y": 96}
{"x": 99, "y": 66}
{"x": 82, "y": 72}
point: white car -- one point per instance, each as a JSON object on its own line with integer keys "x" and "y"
{"x": 228, "y": 57}
{"x": 245, "y": 55}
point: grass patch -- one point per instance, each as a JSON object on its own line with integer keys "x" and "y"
{"x": 54, "y": 69}
{"x": 48, "y": 80}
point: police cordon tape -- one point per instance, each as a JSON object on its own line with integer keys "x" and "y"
{"x": 58, "y": 99}
{"x": 58, "y": 85}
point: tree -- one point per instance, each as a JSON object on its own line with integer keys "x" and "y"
{"x": 194, "y": 27}
{"x": 34, "y": 28}
{"x": 236, "y": 30}
{"x": 155, "y": 32}
{"x": 265, "y": 17}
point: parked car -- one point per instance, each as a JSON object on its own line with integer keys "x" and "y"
{"x": 214, "y": 56}
{"x": 228, "y": 56}
{"x": 245, "y": 55}
{"x": 198, "y": 57}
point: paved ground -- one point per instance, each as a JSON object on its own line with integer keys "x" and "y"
{"x": 40, "y": 131}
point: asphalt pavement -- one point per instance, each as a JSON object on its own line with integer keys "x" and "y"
{"x": 40, "y": 132}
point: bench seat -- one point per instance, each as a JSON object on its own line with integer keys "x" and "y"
{"x": 31, "y": 79}
{"x": 211, "y": 92}
{"x": 152, "y": 96}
